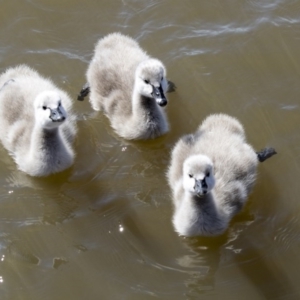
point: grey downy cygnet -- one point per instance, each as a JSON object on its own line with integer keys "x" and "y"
{"x": 129, "y": 86}
{"x": 36, "y": 122}
{"x": 211, "y": 175}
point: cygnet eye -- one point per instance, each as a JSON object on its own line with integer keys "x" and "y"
{"x": 146, "y": 81}
{"x": 190, "y": 175}
{"x": 44, "y": 107}
{"x": 59, "y": 103}
{"x": 207, "y": 174}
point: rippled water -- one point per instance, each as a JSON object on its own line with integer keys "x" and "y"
{"x": 102, "y": 230}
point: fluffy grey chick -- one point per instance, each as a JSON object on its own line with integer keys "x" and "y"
{"x": 129, "y": 87}
{"x": 36, "y": 122}
{"x": 211, "y": 175}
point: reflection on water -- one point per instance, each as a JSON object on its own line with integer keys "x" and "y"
{"x": 201, "y": 263}
{"x": 102, "y": 229}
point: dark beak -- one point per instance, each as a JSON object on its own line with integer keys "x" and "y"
{"x": 200, "y": 187}
{"x": 56, "y": 115}
{"x": 159, "y": 96}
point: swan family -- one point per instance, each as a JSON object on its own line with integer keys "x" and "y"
{"x": 211, "y": 171}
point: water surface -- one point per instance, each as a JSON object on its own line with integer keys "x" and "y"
{"x": 102, "y": 230}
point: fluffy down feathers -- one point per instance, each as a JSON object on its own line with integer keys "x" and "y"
{"x": 211, "y": 175}
{"x": 129, "y": 87}
{"x": 36, "y": 122}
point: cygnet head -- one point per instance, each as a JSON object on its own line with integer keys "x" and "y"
{"x": 49, "y": 112}
{"x": 198, "y": 177}
{"x": 151, "y": 80}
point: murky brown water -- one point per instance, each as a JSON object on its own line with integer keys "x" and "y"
{"x": 102, "y": 230}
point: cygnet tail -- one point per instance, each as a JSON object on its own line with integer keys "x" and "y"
{"x": 84, "y": 92}
{"x": 265, "y": 153}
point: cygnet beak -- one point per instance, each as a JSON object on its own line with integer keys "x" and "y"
{"x": 56, "y": 115}
{"x": 159, "y": 96}
{"x": 200, "y": 187}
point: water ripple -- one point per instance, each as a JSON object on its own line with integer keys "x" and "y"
{"x": 284, "y": 20}
{"x": 288, "y": 235}
{"x": 266, "y": 5}
{"x": 289, "y": 107}
{"x": 212, "y": 30}
{"x": 61, "y": 52}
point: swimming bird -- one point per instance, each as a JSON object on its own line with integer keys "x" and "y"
{"x": 211, "y": 174}
{"x": 129, "y": 86}
{"x": 36, "y": 122}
